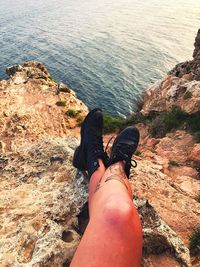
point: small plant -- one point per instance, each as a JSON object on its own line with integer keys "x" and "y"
{"x": 174, "y": 118}
{"x": 187, "y": 95}
{"x": 61, "y": 103}
{"x": 193, "y": 122}
{"x": 136, "y": 118}
{"x": 194, "y": 242}
{"x": 197, "y": 136}
{"x": 198, "y": 198}
{"x": 79, "y": 119}
{"x": 168, "y": 120}
{"x": 112, "y": 124}
{"x": 71, "y": 113}
{"x": 194, "y": 125}
{"x": 29, "y": 74}
{"x": 173, "y": 163}
{"x": 52, "y": 79}
{"x": 64, "y": 89}
{"x": 157, "y": 127}
{"x": 138, "y": 153}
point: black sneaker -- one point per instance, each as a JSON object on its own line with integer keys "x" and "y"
{"x": 91, "y": 148}
{"x": 123, "y": 148}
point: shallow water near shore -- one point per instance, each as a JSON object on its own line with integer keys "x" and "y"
{"x": 107, "y": 51}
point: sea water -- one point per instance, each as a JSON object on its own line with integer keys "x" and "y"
{"x": 109, "y": 52}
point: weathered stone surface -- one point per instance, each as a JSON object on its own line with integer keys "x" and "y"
{"x": 41, "y": 194}
{"x": 196, "y": 53}
{"x": 28, "y": 108}
{"x": 181, "y": 87}
{"x": 175, "y": 203}
{"x": 172, "y": 91}
{"x": 176, "y": 146}
{"x": 190, "y": 69}
{"x": 158, "y": 237}
{"x": 172, "y": 190}
{"x": 37, "y": 181}
{"x": 195, "y": 155}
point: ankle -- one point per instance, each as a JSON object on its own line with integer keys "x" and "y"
{"x": 119, "y": 164}
{"x": 116, "y": 168}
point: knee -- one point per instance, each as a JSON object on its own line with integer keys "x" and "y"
{"x": 118, "y": 214}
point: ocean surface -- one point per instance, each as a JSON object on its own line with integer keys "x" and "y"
{"x": 109, "y": 52}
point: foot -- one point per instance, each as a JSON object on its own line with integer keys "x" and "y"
{"x": 123, "y": 148}
{"x": 91, "y": 147}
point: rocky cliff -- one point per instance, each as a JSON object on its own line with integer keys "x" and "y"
{"x": 180, "y": 87}
{"x": 42, "y": 200}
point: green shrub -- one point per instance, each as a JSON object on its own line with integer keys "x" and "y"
{"x": 173, "y": 163}
{"x": 174, "y": 118}
{"x": 136, "y": 118}
{"x": 79, "y": 119}
{"x": 194, "y": 242}
{"x": 138, "y": 153}
{"x": 42, "y": 77}
{"x": 72, "y": 113}
{"x": 112, "y": 124}
{"x": 157, "y": 127}
{"x": 61, "y": 103}
{"x": 193, "y": 122}
{"x": 160, "y": 124}
{"x": 197, "y": 136}
{"x": 167, "y": 120}
{"x": 64, "y": 89}
{"x": 187, "y": 95}
{"x": 198, "y": 198}
{"x": 52, "y": 79}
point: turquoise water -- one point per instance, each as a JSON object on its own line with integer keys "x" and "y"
{"x": 108, "y": 51}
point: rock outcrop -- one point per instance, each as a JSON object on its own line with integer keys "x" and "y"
{"x": 172, "y": 91}
{"x": 169, "y": 172}
{"x": 181, "y": 87}
{"x": 38, "y": 183}
{"x": 190, "y": 69}
{"x": 41, "y": 194}
{"x": 32, "y": 105}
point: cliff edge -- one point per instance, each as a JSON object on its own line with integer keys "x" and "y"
{"x": 181, "y": 87}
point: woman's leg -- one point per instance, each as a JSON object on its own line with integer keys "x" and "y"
{"x": 113, "y": 237}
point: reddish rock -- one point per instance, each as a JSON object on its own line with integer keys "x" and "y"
{"x": 28, "y": 106}
{"x": 181, "y": 87}
{"x": 175, "y": 146}
{"x": 195, "y": 154}
{"x": 177, "y": 171}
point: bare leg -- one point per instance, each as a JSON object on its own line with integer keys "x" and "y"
{"x": 113, "y": 237}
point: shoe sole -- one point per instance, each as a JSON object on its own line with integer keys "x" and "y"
{"x": 79, "y": 161}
